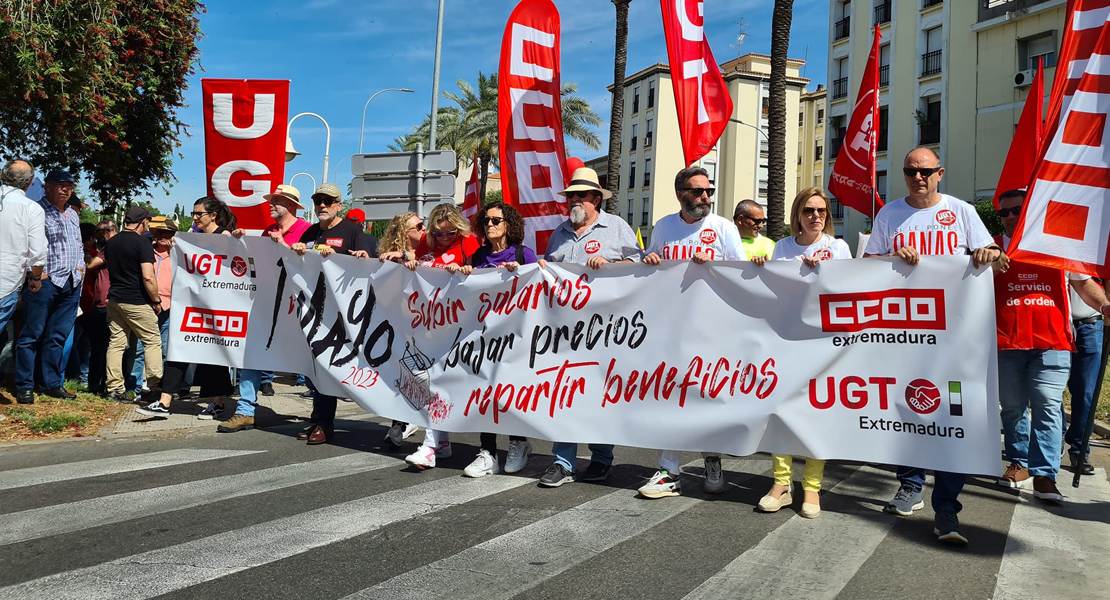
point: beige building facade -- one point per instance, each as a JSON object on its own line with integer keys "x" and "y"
{"x": 954, "y": 76}
{"x": 811, "y": 142}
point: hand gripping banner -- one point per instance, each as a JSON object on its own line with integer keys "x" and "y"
{"x": 868, "y": 360}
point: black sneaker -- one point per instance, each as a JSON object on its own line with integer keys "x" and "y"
{"x": 154, "y": 409}
{"x": 395, "y": 435}
{"x": 596, "y": 472}
{"x": 308, "y": 394}
{"x": 556, "y": 475}
{"x": 1085, "y": 469}
{"x": 947, "y": 528}
{"x": 266, "y": 389}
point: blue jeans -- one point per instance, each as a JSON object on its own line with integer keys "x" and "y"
{"x": 248, "y": 392}
{"x": 324, "y": 406}
{"x": 1085, "y": 362}
{"x": 7, "y": 309}
{"x": 48, "y": 317}
{"x": 566, "y": 454}
{"x": 946, "y": 487}
{"x": 1032, "y": 381}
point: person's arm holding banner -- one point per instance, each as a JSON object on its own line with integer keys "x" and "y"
{"x": 1091, "y": 293}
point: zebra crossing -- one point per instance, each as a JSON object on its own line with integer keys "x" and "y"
{"x": 258, "y": 515}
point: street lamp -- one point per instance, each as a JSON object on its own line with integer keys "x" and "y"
{"x": 760, "y": 130}
{"x": 308, "y": 211}
{"x": 290, "y": 153}
{"x": 360, "y": 130}
{"x": 339, "y": 165}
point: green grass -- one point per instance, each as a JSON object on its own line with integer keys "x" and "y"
{"x": 55, "y": 422}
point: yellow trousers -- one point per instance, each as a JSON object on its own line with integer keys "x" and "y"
{"x": 811, "y": 476}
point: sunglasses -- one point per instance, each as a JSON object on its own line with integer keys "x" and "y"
{"x": 809, "y": 211}
{"x": 579, "y": 194}
{"x": 1005, "y": 212}
{"x": 439, "y": 234}
{"x": 926, "y": 172}
{"x": 419, "y": 226}
{"x": 753, "y": 220}
{"x": 325, "y": 201}
{"x": 697, "y": 192}
{"x": 495, "y": 221}
{"x": 197, "y": 214}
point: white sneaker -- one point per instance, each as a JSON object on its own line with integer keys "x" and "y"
{"x": 484, "y": 464}
{"x": 423, "y": 458}
{"x": 519, "y": 452}
{"x": 661, "y": 485}
{"x": 444, "y": 450}
{"x": 411, "y": 429}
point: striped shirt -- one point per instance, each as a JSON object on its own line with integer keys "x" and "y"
{"x": 65, "y": 255}
{"x": 609, "y": 237}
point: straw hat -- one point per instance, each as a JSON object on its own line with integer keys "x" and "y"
{"x": 585, "y": 179}
{"x": 286, "y": 192}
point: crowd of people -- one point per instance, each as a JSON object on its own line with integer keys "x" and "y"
{"x": 121, "y": 282}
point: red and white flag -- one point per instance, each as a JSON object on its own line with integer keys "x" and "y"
{"x": 530, "y": 120}
{"x": 853, "y": 176}
{"x": 700, "y": 94}
{"x": 471, "y": 203}
{"x": 1026, "y": 145}
{"x": 1066, "y": 219}
{"x": 245, "y": 123}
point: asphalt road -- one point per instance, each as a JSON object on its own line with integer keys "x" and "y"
{"x": 259, "y": 515}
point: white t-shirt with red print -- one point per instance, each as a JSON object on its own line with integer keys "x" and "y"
{"x": 825, "y": 248}
{"x": 949, "y": 228}
{"x": 675, "y": 239}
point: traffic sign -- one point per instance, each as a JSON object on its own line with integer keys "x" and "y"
{"x": 384, "y": 210}
{"x": 402, "y": 186}
{"x": 392, "y": 163}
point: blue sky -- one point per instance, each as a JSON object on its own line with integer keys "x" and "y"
{"x": 337, "y": 53}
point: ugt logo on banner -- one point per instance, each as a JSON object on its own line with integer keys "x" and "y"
{"x": 245, "y": 123}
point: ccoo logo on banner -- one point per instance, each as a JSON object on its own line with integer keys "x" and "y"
{"x": 866, "y": 360}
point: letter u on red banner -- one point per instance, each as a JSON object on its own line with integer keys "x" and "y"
{"x": 700, "y": 93}
{"x": 530, "y": 121}
{"x": 245, "y": 124}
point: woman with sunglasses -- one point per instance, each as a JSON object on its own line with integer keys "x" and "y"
{"x": 813, "y": 242}
{"x": 447, "y": 241}
{"x": 501, "y": 229}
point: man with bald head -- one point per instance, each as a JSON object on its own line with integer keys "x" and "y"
{"x": 22, "y": 242}
{"x": 749, "y": 219}
{"x": 929, "y": 223}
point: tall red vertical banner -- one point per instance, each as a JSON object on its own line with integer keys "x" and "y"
{"x": 700, "y": 94}
{"x": 245, "y": 124}
{"x": 530, "y": 121}
{"x": 853, "y": 177}
{"x": 1026, "y": 145}
{"x": 471, "y": 203}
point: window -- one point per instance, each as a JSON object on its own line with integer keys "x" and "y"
{"x": 801, "y": 119}
{"x": 632, "y": 175}
{"x": 631, "y": 210}
{"x": 647, "y": 172}
{"x": 881, "y": 185}
{"x": 883, "y": 125}
{"x": 817, "y": 151}
{"x": 1042, "y": 45}
{"x": 931, "y": 61}
{"x": 644, "y": 217}
{"x": 929, "y": 127}
{"x": 842, "y": 28}
{"x": 836, "y": 139}
{"x": 632, "y": 142}
{"x": 762, "y": 188}
{"x": 820, "y": 116}
{"x": 882, "y": 12}
{"x": 840, "y": 84}
{"x": 651, "y": 95}
{"x": 647, "y": 134}
{"x": 766, "y": 105}
{"x": 711, "y": 169}
{"x": 884, "y": 65}
{"x": 635, "y": 100}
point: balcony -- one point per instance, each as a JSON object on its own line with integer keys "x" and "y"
{"x": 837, "y": 209}
{"x": 644, "y": 219}
{"x": 991, "y": 9}
{"x": 929, "y": 3}
{"x": 834, "y": 144}
{"x": 882, "y": 13}
{"x": 884, "y": 75}
{"x": 840, "y": 88}
{"x": 632, "y": 144}
{"x": 929, "y": 133}
{"x": 841, "y": 29}
{"x": 931, "y": 63}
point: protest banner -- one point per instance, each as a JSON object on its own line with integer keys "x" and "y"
{"x": 868, "y": 360}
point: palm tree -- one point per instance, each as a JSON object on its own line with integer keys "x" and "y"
{"x": 478, "y": 129}
{"x": 616, "y": 115}
{"x": 776, "y": 119}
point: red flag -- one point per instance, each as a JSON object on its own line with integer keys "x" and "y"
{"x": 853, "y": 177}
{"x": 471, "y": 203}
{"x": 530, "y": 120}
{"x": 1026, "y": 145}
{"x": 1066, "y": 219}
{"x": 245, "y": 123}
{"x": 700, "y": 94}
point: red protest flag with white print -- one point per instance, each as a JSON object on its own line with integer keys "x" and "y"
{"x": 471, "y": 203}
{"x": 530, "y": 120}
{"x": 1026, "y": 145}
{"x": 245, "y": 124}
{"x": 1065, "y": 222}
{"x": 853, "y": 177}
{"x": 700, "y": 94}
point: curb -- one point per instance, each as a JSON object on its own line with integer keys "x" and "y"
{"x": 1102, "y": 429}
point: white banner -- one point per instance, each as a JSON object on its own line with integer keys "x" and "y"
{"x": 867, "y": 360}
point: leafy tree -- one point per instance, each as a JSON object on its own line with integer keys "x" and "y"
{"x": 990, "y": 218}
{"x": 492, "y": 197}
{"x": 776, "y": 119}
{"x": 95, "y": 85}
{"x": 616, "y": 115}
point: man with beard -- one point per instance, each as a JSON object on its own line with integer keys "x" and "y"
{"x": 695, "y": 234}
{"x": 593, "y": 238}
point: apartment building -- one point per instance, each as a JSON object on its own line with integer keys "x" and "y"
{"x": 651, "y": 150}
{"x": 954, "y": 77}
{"x": 811, "y": 143}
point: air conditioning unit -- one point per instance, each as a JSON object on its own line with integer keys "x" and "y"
{"x": 1024, "y": 78}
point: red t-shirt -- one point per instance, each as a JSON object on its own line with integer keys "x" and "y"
{"x": 94, "y": 289}
{"x": 439, "y": 258}
{"x": 1031, "y": 308}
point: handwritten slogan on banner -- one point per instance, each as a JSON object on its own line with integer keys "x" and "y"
{"x": 866, "y": 360}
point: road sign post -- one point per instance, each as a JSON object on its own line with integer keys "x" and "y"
{"x": 388, "y": 183}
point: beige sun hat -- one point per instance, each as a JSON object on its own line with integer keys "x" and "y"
{"x": 287, "y": 192}
{"x": 585, "y": 179}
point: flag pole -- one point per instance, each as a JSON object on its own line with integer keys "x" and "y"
{"x": 1094, "y": 404}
